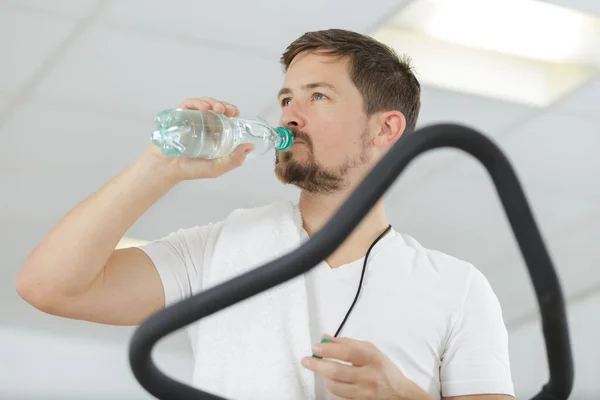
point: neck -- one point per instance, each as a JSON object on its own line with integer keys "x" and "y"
{"x": 317, "y": 210}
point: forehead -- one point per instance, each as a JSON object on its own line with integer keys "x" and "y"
{"x": 310, "y": 66}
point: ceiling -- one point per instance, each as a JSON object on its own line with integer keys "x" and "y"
{"x": 81, "y": 81}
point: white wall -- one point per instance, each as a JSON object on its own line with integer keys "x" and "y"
{"x": 37, "y": 366}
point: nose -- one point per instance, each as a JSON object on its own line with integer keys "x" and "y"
{"x": 292, "y": 117}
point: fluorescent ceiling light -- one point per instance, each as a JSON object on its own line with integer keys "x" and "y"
{"x": 524, "y": 28}
{"x": 523, "y": 51}
{"x": 130, "y": 242}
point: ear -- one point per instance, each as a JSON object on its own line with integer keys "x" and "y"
{"x": 391, "y": 125}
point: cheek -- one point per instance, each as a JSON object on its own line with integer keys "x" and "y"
{"x": 334, "y": 149}
{"x": 339, "y": 137}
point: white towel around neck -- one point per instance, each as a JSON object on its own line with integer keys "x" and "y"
{"x": 252, "y": 350}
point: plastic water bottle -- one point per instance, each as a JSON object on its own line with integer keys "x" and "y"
{"x": 206, "y": 134}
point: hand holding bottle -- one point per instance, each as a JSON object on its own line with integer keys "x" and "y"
{"x": 187, "y": 168}
{"x": 92, "y": 280}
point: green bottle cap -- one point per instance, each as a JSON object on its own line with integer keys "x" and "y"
{"x": 287, "y": 138}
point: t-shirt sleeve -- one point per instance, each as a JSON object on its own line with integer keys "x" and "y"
{"x": 178, "y": 258}
{"x": 476, "y": 357}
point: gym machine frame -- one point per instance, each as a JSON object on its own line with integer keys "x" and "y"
{"x": 323, "y": 243}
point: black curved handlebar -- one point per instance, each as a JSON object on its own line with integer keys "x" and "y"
{"x": 324, "y": 242}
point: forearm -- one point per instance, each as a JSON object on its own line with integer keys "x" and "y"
{"x": 72, "y": 255}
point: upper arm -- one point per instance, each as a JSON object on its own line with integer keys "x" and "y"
{"x": 139, "y": 281}
{"x": 475, "y": 360}
{"x": 127, "y": 291}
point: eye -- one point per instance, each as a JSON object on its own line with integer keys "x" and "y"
{"x": 317, "y": 95}
{"x": 284, "y": 102}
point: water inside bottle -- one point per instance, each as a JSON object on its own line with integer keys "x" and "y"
{"x": 205, "y": 134}
{"x": 189, "y": 133}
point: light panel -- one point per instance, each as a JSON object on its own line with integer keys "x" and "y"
{"x": 521, "y": 51}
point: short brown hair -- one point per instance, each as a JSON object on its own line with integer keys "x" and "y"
{"x": 385, "y": 80}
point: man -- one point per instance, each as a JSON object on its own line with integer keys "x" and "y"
{"x": 430, "y": 326}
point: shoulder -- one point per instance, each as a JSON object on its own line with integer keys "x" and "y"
{"x": 445, "y": 267}
{"x": 455, "y": 280}
{"x": 461, "y": 288}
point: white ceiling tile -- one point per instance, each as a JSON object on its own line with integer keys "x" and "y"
{"x": 4, "y": 99}
{"x": 488, "y": 115}
{"x": 61, "y": 137}
{"x": 69, "y": 8}
{"x": 528, "y": 353}
{"x": 47, "y": 195}
{"x": 420, "y": 170}
{"x": 583, "y": 101}
{"x": 591, "y": 6}
{"x": 143, "y": 74}
{"x": 557, "y": 150}
{"x": 452, "y": 214}
{"x": 459, "y": 211}
{"x": 576, "y": 257}
{"x": 26, "y": 40}
{"x": 574, "y": 254}
{"x": 263, "y": 24}
{"x": 512, "y": 284}
{"x": 553, "y": 207}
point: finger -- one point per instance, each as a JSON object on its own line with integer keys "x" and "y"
{"x": 329, "y": 337}
{"x": 196, "y": 104}
{"x": 203, "y": 104}
{"x": 242, "y": 150}
{"x": 238, "y": 156}
{"x": 333, "y": 370}
{"x": 353, "y": 351}
{"x": 334, "y": 397}
{"x": 230, "y": 109}
{"x": 342, "y": 390}
{"x": 341, "y": 339}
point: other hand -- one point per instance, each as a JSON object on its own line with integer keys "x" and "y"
{"x": 371, "y": 375}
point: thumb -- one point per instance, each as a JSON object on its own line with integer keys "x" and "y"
{"x": 246, "y": 149}
{"x": 238, "y": 156}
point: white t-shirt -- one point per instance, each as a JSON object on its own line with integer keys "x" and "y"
{"x": 436, "y": 317}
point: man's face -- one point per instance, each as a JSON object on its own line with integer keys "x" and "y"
{"x": 325, "y": 110}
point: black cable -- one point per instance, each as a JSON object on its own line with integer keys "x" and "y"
{"x": 328, "y": 239}
{"x": 362, "y": 275}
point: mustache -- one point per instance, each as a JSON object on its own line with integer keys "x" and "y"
{"x": 301, "y": 136}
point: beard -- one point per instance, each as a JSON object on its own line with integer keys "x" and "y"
{"x": 310, "y": 175}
